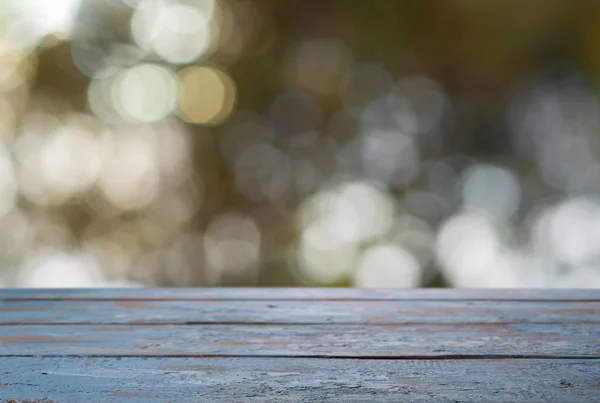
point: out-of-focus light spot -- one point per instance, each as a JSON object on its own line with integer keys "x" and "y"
{"x": 100, "y": 101}
{"x": 190, "y": 246}
{"x": 317, "y": 65}
{"x": 564, "y": 162}
{"x": 16, "y": 67}
{"x": 129, "y": 178}
{"x": 552, "y": 111}
{"x": 356, "y": 211}
{"x": 414, "y": 235}
{"x": 97, "y": 61}
{"x": 306, "y": 176}
{"x": 114, "y": 258}
{"x": 554, "y": 124}
{"x": 387, "y": 266}
{"x": 30, "y": 20}
{"x": 342, "y": 125}
{"x": 145, "y": 93}
{"x": 423, "y": 203}
{"x": 22, "y": 33}
{"x": 389, "y": 112}
{"x": 471, "y": 254}
{"x": 337, "y": 212}
{"x": 349, "y": 156}
{"x": 172, "y": 211}
{"x": 89, "y": 58}
{"x": 242, "y": 27}
{"x": 295, "y": 118}
{"x": 51, "y": 231}
{"x": 334, "y": 223}
{"x": 59, "y": 270}
{"x": 541, "y": 242}
{"x": 492, "y": 189}
{"x": 125, "y": 234}
{"x": 425, "y": 98}
{"x": 174, "y": 149}
{"x": 8, "y": 183}
{"x": 466, "y": 248}
{"x": 232, "y": 245}
{"x": 207, "y": 95}
{"x": 390, "y": 157}
{"x": 29, "y": 149}
{"x": 263, "y": 172}
{"x": 8, "y": 121}
{"x": 177, "y": 32}
{"x": 70, "y": 159}
{"x": 242, "y": 134}
{"x": 580, "y": 277}
{"x": 510, "y": 269}
{"x": 373, "y": 206}
{"x": 588, "y": 181}
{"x": 442, "y": 181}
{"x": 17, "y": 233}
{"x": 56, "y": 17}
{"x": 55, "y": 161}
{"x": 326, "y": 255}
{"x": 163, "y": 266}
{"x": 363, "y": 84}
{"x": 574, "y": 231}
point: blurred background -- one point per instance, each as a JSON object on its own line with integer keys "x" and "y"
{"x": 354, "y": 143}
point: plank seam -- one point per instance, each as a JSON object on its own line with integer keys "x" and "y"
{"x": 324, "y": 357}
{"x": 295, "y": 324}
{"x": 358, "y": 299}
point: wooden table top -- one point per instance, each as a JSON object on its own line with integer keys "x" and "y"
{"x": 299, "y": 345}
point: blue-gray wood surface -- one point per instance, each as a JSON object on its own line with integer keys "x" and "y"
{"x": 299, "y": 345}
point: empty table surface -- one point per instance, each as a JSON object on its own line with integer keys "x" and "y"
{"x": 299, "y": 345}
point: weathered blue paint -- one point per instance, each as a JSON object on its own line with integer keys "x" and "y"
{"x": 299, "y": 345}
{"x": 435, "y": 294}
{"x": 294, "y": 312}
{"x": 219, "y": 380}
{"x": 302, "y": 340}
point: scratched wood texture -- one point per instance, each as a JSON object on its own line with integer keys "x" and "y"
{"x": 292, "y": 312}
{"x": 157, "y": 380}
{"x": 385, "y": 341}
{"x": 299, "y": 345}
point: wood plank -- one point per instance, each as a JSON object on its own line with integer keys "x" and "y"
{"x": 391, "y": 341}
{"x": 301, "y": 293}
{"x": 220, "y": 380}
{"x": 294, "y": 312}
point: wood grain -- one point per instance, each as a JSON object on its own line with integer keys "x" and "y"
{"x": 391, "y": 341}
{"x": 294, "y": 312}
{"x": 221, "y": 380}
{"x": 299, "y": 345}
{"x": 437, "y": 294}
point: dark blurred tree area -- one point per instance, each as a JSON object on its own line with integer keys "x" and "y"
{"x": 300, "y": 142}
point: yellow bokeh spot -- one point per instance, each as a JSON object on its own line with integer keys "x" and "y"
{"x": 207, "y": 95}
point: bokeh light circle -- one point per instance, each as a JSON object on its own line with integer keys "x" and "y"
{"x": 207, "y": 95}
{"x": 145, "y": 93}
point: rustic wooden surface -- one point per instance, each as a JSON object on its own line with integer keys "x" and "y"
{"x": 299, "y": 345}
